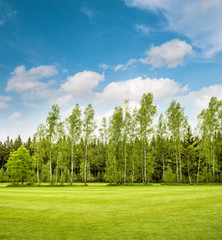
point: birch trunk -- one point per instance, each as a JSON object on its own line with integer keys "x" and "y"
{"x": 86, "y": 164}
{"x": 181, "y": 180}
{"x": 38, "y": 173}
{"x": 145, "y": 177}
{"x": 163, "y": 166}
{"x": 71, "y": 179}
{"x": 213, "y": 159}
{"x": 177, "y": 166}
{"x": 188, "y": 168}
{"x": 57, "y": 168}
{"x": 50, "y": 164}
{"x": 198, "y": 169}
{"x": 133, "y": 164}
{"x": 125, "y": 164}
{"x": 141, "y": 160}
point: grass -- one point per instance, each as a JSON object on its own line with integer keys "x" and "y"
{"x": 98, "y": 211}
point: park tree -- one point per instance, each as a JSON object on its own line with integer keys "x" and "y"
{"x": 61, "y": 139}
{"x": 161, "y": 140}
{"x": 52, "y": 121}
{"x": 190, "y": 149}
{"x": 37, "y": 147}
{"x": 176, "y": 122}
{"x": 74, "y": 126}
{"x": 210, "y": 124}
{"x": 89, "y": 126}
{"x": 146, "y": 113}
{"x": 17, "y": 142}
{"x": 133, "y": 131}
{"x": 103, "y": 131}
{"x": 115, "y": 136}
{"x": 127, "y": 121}
{"x": 19, "y": 165}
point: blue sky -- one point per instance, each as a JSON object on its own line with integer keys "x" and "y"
{"x": 102, "y": 52}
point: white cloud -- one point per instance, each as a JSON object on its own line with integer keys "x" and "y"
{"x": 133, "y": 89}
{"x": 14, "y": 116}
{"x": 4, "y": 102}
{"x": 23, "y": 80}
{"x": 125, "y": 67}
{"x": 200, "y": 20}
{"x": 171, "y": 54}
{"x": 118, "y": 67}
{"x": 78, "y": 87}
{"x": 201, "y": 98}
{"x": 64, "y": 98}
{"x": 103, "y": 66}
{"x": 81, "y": 85}
{"x": 142, "y": 28}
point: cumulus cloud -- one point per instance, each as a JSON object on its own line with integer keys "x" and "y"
{"x": 14, "y": 116}
{"x": 201, "y": 98}
{"x": 82, "y": 83}
{"x": 79, "y": 86}
{"x": 32, "y": 84}
{"x": 199, "y": 20}
{"x": 171, "y": 54}
{"x": 162, "y": 88}
{"x": 23, "y": 80}
{"x": 4, "y": 102}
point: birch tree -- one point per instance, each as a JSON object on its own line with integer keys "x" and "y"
{"x": 210, "y": 125}
{"x": 175, "y": 122}
{"x": 89, "y": 126}
{"x": 74, "y": 126}
{"x": 161, "y": 134}
{"x": 145, "y": 117}
{"x": 132, "y": 134}
{"x": 52, "y": 121}
{"x": 115, "y": 135}
{"x": 38, "y": 148}
{"x": 126, "y": 133}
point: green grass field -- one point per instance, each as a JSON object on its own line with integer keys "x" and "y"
{"x": 111, "y": 212}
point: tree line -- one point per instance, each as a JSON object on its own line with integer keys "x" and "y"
{"x": 126, "y": 148}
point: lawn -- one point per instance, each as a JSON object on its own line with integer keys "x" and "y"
{"x": 98, "y": 211}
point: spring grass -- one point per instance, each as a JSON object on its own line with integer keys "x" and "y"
{"x": 98, "y": 211}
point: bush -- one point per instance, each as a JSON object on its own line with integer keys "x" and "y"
{"x": 170, "y": 177}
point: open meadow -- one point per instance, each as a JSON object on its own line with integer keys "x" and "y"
{"x": 99, "y": 211}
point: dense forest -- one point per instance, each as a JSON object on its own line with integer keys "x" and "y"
{"x": 126, "y": 148}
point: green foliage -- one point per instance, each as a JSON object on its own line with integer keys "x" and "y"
{"x": 19, "y": 165}
{"x": 2, "y": 175}
{"x": 126, "y": 149}
{"x": 170, "y": 177}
